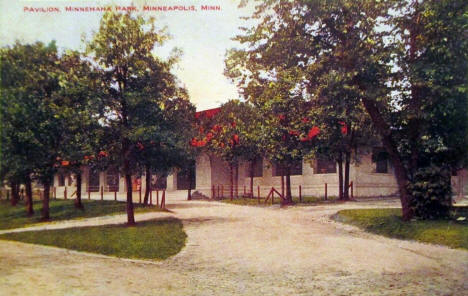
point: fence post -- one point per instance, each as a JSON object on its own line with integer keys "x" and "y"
{"x": 231, "y": 192}
{"x": 282, "y": 184}
{"x": 115, "y": 195}
{"x": 139, "y": 193}
{"x": 258, "y": 196}
{"x": 55, "y": 192}
{"x": 222, "y": 191}
{"x": 218, "y": 191}
{"x": 151, "y": 197}
{"x": 89, "y": 193}
{"x": 325, "y": 191}
{"x": 102, "y": 192}
{"x": 65, "y": 193}
{"x": 352, "y": 189}
{"x": 163, "y": 200}
{"x": 272, "y": 196}
{"x": 157, "y": 198}
{"x": 300, "y": 193}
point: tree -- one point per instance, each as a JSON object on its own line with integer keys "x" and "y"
{"x": 346, "y": 125}
{"x": 16, "y": 138}
{"x": 134, "y": 77}
{"x": 287, "y": 133}
{"x": 350, "y": 38}
{"x": 234, "y": 135}
{"x": 167, "y": 146}
{"x": 31, "y": 85}
{"x": 81, "y": 93}
{"x": 432, "y": 58}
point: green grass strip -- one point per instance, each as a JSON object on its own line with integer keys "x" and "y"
{"x": 388, "y": 222}
{"x": 154, "y": 239}
{"x": 15, "y": 217}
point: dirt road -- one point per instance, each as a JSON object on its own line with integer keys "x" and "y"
{"x": 240, "y": 250}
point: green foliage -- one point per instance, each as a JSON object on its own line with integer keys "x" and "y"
{"x": 15, "y": 217}
{"x": 236, "y": 135}
{"x": 388, "y": 222}
{"x": 404, "y": 63}
{"x": 432, "y": 55}
{"x": 145, "y": 110}
{"x": 433, "y": 58}
{"x": 432, "y": 192}
{"x": 32, "y": 125}
{"x": 81, "y": 92}
{"x": 156, "y": 239}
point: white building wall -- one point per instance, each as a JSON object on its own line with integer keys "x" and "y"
{"x": 366, "y": 182}
{"x": 369, "y": 183}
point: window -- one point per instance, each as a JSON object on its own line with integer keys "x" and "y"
{"x": 112, "y": 179}
{"x": 61, "y": 180}
{"x": 93, "y": 180}
{"x": 158, "y": 182}
{"x": 295, "y": 168}
{"x": 186, "y": 179}
{"x": 325, "y": 166}
{"x": 380, "y": 157}
{"x": 381, "y": 166}
{"x": 257, "y": 167}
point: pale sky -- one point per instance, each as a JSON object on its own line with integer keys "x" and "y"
{"x": 204, "y": 36}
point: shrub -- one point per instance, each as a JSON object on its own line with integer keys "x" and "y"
{"x": 431, "y": 192}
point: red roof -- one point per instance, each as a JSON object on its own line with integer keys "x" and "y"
{"x": 208, "y": 113}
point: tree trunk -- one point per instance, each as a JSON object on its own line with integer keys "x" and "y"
{"x": 391, "y": 148}
{"x": 29, "y": 200}
{"x": 189, "y": 193}
{"x": 45, "y": 202}
{"x": 78, "y": 203}
{"x": 126, "y": 149}
{"x": 346, "y": 175}
{"x": 340, "y": 177}
{"x": 14, "y": 193}
{"x": 236, "y": 179}
{"x": 130, "y": 215}
{"x": 251, "y": 174}
{"x": 282, "y": 182}
{"x": 128, "y": 182}
{"x": 148, "y": 184}
{"x": 288, "y": 186}
{"x": 230, "y": 180}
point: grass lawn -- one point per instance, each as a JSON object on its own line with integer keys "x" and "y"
{"x": 254, "y": 201}
{"x": 154, "y": 239}
{"x": 14, "y": 217}
{"x": 388, "y": 222}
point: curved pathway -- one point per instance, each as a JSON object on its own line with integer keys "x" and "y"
{"x": 241, "y": 250}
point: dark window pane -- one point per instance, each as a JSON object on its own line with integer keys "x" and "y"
{"x": 381, "y": 167}
{"x": 112, "y": 180}
{"x": 93, "y": 180}
{"x": 158, "y": 182}
{"x": 257, "y": 168}
{"x": 380, "y": 157}
{"x": 185, "y": 178}
{"x": 295, "y": 169}
{"x": 61, "y": 180}
{"x": 325, "y": 166}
